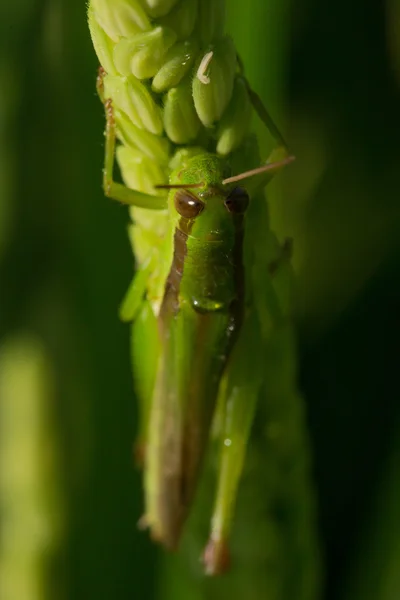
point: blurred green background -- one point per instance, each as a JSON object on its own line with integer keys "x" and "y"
{"x": 330, "y": 74}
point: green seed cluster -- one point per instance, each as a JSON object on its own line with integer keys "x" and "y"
{"x": 173, "y": 78}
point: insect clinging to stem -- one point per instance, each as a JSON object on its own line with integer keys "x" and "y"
{"x": 205, "y": 302}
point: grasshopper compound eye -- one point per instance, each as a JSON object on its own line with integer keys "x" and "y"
{"x": 237, "y": 201}
{"x": 188, "y": 206}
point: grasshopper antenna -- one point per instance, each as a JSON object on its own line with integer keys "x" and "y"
{"x": 274, "y": 166}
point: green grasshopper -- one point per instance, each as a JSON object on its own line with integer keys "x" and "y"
{"x": 211, "y": 288}
{"x": 202, "y": 300}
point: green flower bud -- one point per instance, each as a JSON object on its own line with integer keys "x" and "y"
{"x": 159, "y": 8}
{"x": 211, "y": 21}
{"x": 143, "y": 55}
{"x": 133, "y": 98}
{"x": 152, "y": 223}
{"x": 182, "y": 155}
{"x": 103, "y": 45}
{"x": 178, "y": 61}
{"x": 139, "y": 172}
{"x": 120, "y": 18}
{"x": 182, "y": 18}
{"x": 154, "y": 147}
{"x": 145, "y": 232}
{"x": 213, "y": 81}
{"x": 235, "y": 121}
{"x": 244, "y": 158}
{"x": 181, "y": 122}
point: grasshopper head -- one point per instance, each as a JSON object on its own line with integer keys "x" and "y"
{"x": 201, "y": 204}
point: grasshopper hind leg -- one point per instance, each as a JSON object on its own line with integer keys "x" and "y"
{"x": 236, "y": 413}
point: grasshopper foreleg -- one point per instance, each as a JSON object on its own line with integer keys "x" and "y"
{"x": 112, "y": 189}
